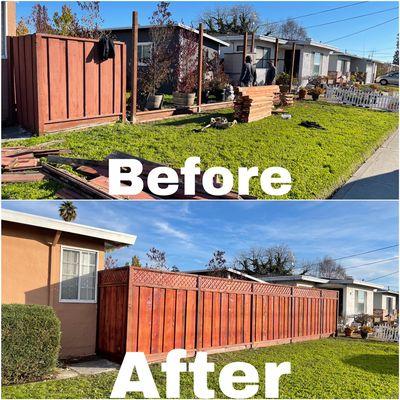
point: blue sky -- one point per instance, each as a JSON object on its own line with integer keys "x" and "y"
{"x": 190, "y": 232}
{"x": 381, "y": 40}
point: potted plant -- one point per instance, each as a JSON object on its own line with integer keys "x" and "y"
{"x": 283, "y": 81}
{"x": 156, "y": 67}
{"x": 217, "y": 79}
{"x": 316, "y": 92}
{"x": 348, "y": 331}
{"x": 302, "y": 93}
{"x": 365, "y": 331}
{"x": 184, "y": 95}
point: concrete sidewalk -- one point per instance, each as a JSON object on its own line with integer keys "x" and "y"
{"x": 378, "y": 177}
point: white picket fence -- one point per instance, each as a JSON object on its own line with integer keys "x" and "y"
{"x": 368, "y": 99}
{"x": 387, "y": 333}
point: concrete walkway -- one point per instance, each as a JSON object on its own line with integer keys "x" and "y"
{"x": 85, "y": 368}
{"x": 378, "y": 177}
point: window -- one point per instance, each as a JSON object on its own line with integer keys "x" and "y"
{"x": 360, "y": 302}
{"x": 78, "y": 275}
{"x": 316, "y": 63}
{"x": 144, "y": 52}
{"x": 263, "y": 55}
{"x": 389, "y": 305}
{"x": 3, "y": 29}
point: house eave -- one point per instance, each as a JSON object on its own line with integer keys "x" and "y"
{"x": 206, "y": 35}
{"x": 112, "y": 239}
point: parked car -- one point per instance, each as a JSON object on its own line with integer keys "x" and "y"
{"x": 392, "y": 78}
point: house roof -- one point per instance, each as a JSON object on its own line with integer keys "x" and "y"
{"x": 272, "y": 39}
{"x": 288, "y": 278}
{"x": 351, "y": 55}
{"x": 325, "y": 281}
{"x": 112, "y": 238}
{"x": 388, "y": 291}
{"x": 356, "y": 282}
{"x": 232, "y": 270}
{"x": 183, "y": 26}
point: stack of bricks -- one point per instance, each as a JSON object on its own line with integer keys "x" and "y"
{"x": 254, "y": 103}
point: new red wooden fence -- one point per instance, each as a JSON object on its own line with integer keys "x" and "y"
{"x": 155, "y": 312}
{"x": 61, "y": 83}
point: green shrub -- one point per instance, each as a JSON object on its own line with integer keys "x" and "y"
{"x": 30, "y": 342}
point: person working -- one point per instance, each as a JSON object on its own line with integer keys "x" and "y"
{"x": 271, "y": 73}
{"x": 248, "y": 76}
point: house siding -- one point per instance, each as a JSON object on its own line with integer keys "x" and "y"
{"x": 26, "y": 279}
{"x": 211, "y": 47}
{"x": 6, "y": 84}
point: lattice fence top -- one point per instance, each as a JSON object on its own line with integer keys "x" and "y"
{"x": 225, "y": 285}
{"x": 307, "y": 292}
{"x": 330, "y": 294}
{"x": 116, "y": 276}
{"x": 272, "y": 290}
{"x": 168, "y": 280}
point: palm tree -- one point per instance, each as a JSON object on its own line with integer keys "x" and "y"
{"x": 67, "y": 211}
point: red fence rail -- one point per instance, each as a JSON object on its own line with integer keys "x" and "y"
{"x": 61, "y": 83}
{"x": 155, "y": 312}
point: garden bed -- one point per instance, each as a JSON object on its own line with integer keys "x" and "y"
{"x": 320, "y": 161}
{"x": 329, "y": 368}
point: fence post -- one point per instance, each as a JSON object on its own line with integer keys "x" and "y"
{"x": 198, "y": 315}
{"x": 292, "y": 316}
{"x": 252, "y": 317}
{"x": 200, "y": 68}
{"x": 253, "y": 42}
{"x": 276, "y": 53}
{"x": 134, "y": 67}
{"x": 292, "y": 69}
{"x": 244, "y": 47}
{"x": 321, "y": 304}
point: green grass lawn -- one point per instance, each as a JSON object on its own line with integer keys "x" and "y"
{"x": 319, "y": 161}
{"x": 329, "y": 368}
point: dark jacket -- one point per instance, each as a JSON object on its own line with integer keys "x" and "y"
{"x": 270, "y": 76}
{"x": 106, "y": 49}
{"x": 248, "y": 76}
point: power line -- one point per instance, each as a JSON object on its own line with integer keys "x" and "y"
{"x": 350, "y": 18}
{"x": 316, "y": 13}
{"x": 383, "y": 276}
{"x": 363, "y": 30}
{"x": 367, "y": 252}
{"x": 372, "y": 262}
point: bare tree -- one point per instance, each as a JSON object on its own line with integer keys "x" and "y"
{"x": 324, "y": 268}
{"x": 291, "y": 30}
{"x": 217, "y": 262}
{"x": 157, "y": 259}
{"x": 396, "y": 53}
{"x": 231, "y": 19}
{"x": 110, "y": 262}
{"x": 39, "y": 19}
{"x": 276, "y": 260}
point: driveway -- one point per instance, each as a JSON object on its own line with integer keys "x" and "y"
{"x": 378, "y": 177}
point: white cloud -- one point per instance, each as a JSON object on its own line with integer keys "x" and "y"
{"x": 165, "y": 227}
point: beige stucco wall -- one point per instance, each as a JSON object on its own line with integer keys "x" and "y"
{"x": 26, "y": 279}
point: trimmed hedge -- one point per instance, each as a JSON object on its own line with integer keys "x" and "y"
{"x": 30, "y": 342}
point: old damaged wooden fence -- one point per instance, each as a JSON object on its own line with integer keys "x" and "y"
{"x": 61, "y": 83}
{"x": 154, "y": 312}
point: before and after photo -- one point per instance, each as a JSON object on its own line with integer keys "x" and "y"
{"x": 200, "y": 199}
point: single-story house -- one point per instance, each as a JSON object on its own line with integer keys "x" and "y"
{"x": 55, "y": 263}
{"x": 211, "y": 44}
{"x": 386, "y": 303}
{"x": 311, "y": 57}
{"x": 346, "y": 64}
{"x": 8, "y": 28}
{"x": 355, "y": 296}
